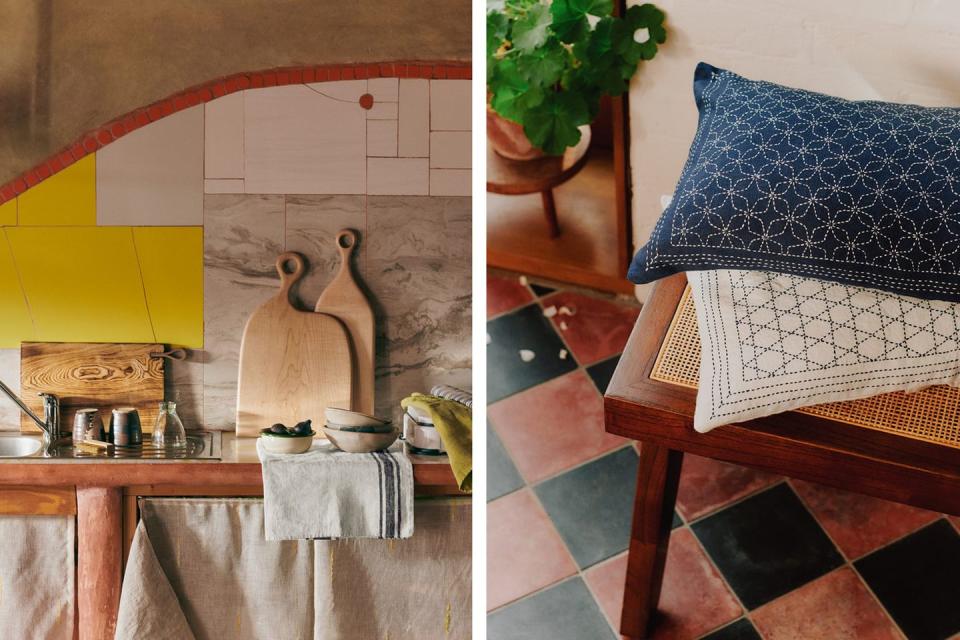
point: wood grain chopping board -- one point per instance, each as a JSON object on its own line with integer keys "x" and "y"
{"x": 103, "y": 376}
{"x": 344, "y": 299}
{"x": 293, "y": 364}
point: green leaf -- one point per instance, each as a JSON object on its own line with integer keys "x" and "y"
{"x": 544, "y": 66}
{"x": 553, "y": 124}
{"x": 512, "y": 95}
{"x": 570, "y": 17}
{"x": 498, "y": 25}
{"x": 530, "y": 31}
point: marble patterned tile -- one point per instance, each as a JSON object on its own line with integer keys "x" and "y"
{"x": 299, "y": 140}
{"x": 10, "y": 374}
{"x": 450, "y": 105}
{"x": 154, "y": 175}
{"x": 414, "y": 118}
{"x": 418, "y": 272}
{"x": 243, "y": 237}
{"x": 312, "y": 224}
{"x": 223, "y": 137}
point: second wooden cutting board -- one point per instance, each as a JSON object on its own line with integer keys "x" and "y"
{"x": 344, "y": 299}
{"x": 293, "y": 364}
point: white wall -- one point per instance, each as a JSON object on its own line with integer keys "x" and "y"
{"x": 895, "y": 50}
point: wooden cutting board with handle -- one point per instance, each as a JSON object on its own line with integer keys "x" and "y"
{"x": 345, "y": 299}
{"x": 101, "y": 376}
{"x": 293, "y": 364}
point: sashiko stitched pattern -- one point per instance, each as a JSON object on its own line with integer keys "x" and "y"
{"x": 780, "y": 179}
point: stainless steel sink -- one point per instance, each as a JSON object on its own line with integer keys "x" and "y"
{"x": 18, "y": 446}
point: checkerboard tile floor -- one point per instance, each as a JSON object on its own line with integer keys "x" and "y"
{"x": 752, "y": 555}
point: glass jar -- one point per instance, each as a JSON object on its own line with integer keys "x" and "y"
{"x": 168, "y": 432}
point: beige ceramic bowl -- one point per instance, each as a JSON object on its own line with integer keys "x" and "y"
{"x": 347, "y": 418}
{"x": 286, "y": 444}
{"x": 357, "y": 442}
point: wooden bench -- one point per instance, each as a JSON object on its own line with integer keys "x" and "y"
{"x": 798, "y": 445}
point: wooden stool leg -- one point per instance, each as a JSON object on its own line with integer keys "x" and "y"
{"x": 657, "y": 480}
{"x": 550, "y": 209}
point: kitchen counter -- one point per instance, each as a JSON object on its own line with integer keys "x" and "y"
{"x": 238, "y": 465}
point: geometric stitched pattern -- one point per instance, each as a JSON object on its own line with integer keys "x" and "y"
{"x": 788, "y": 324}
{"x": 931, "y": 415}
{"x": 774, "y": 342}
{"x": 786, "y": 180}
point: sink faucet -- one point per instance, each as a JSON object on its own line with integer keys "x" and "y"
{"x": 50, "y": 425}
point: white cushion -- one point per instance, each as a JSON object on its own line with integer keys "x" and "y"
{"x": 773, "y": 342}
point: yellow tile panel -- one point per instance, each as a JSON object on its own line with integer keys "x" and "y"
{"x": 8, "y": 213}
{"x": 68, "y": 197}
{"x": 15, "y": 324}
{"x": 171, "y": 263}
{"x": 82, "y": 283}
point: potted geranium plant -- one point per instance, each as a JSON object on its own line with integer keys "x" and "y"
{"x": 550, "y": 62}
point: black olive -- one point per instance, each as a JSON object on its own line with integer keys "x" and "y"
{"x": 278, "y": 428}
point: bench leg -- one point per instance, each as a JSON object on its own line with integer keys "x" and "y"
{"x": 550, "y": 211}
{"x": 657, "y": 480}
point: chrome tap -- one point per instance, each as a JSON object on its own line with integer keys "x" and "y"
{"x": 50, "y": 425}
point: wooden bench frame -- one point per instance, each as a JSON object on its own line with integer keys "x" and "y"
{"x": 797, "y": 445}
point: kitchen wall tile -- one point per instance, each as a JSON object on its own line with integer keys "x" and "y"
{"x": 223, "y": 137}
{"x": 450, "y": 150}
{"x": 68, "y": 197}
{"x": 10, "y": 374}
{"x": 414, "y": 118}
{"x": 224, "y": 186}
{"x": 398, "y": 176}
{"x": 84, "y": 286}
{"x": 384, "y": 89}
{"x": 450, "y": 182}
{"x": 297, "y": 140}
{"x": 343, "y": 90}
{"x": 243, "y": 235}
{"x": 311, "y": 228}
{"x": 382, "y": 138}
{"x": 183, "y": 384}
{"x": 8, "y": 213}
{"x": 154, "y": 175}
{"x": 419, "y": 279}
{"x": 383, "y": 111}
{"x": 17, "y": 325}
{"x": 450, "y": 105}
{"x": 171, "y": 265}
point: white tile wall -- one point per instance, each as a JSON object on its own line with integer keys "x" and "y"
{"x": 398, "y": 176}
{"x": 450, "y": 149}
{"x": 414, "y": 133}
{"x": 450, "y": 105}
{"x": 384, "y": 89}
{"x": 450, "y": 182}
{"x": 154, "y": 175}
{"x": 382, "y": 138}
{"x": 223, "y": 137}
{"x": 299, "y": 141}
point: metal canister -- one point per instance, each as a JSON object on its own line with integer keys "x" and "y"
{"x": 125, "y": 427}
{"x": 87, "y": 425}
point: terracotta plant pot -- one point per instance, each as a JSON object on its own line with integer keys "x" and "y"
{"x": 508, "y": 139}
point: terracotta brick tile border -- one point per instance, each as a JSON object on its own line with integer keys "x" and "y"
{"x": 93, "y": 140}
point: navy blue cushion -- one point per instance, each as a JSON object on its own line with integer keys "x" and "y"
{"x": 778, "y": 179}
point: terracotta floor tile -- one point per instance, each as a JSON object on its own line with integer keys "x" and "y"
{"x": 694, "y": 599}
{"x": 504, "y": 294}
{"x": 524, "y": 551}
{"x": 598, "y": 329}
{"x": 553, "y": 426}
{"x": 857, "y": 523}
{"x": 706, "y": 485}
{"x": 837, "y": 606}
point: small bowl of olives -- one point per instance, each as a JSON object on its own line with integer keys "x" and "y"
{"x": 283, "y": 439}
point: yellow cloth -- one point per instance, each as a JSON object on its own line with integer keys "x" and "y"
{"x": 454, "y": 421}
